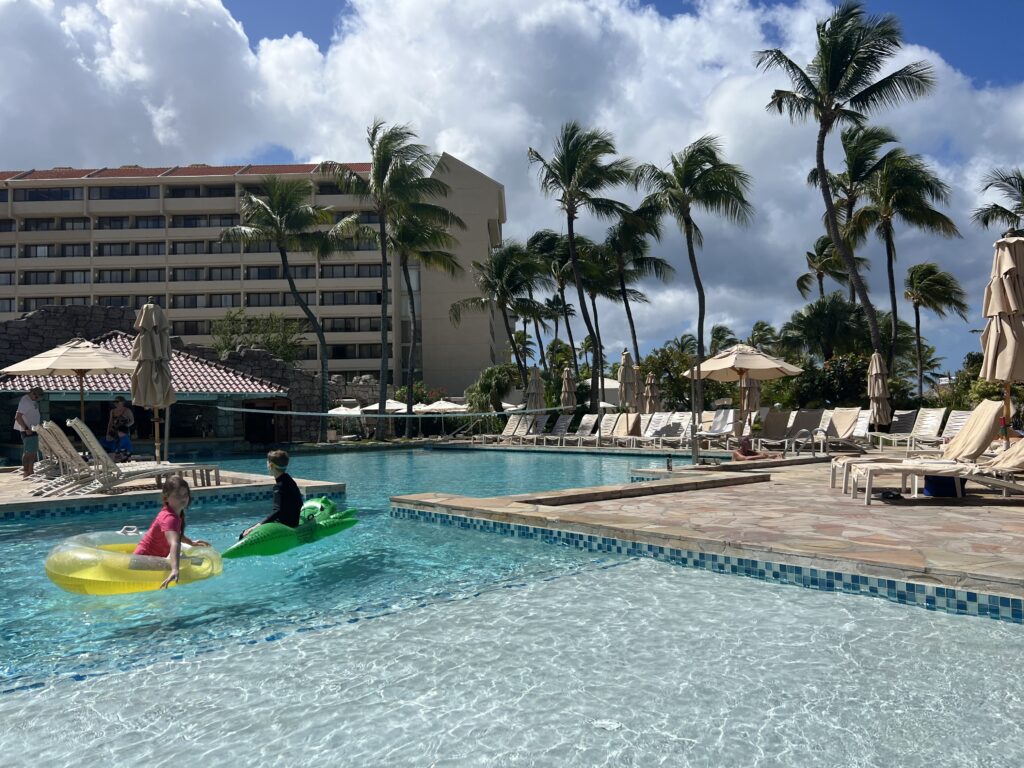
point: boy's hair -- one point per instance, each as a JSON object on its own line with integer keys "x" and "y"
{"x": 173, "y": 485}
{"x": 278, "y": 459}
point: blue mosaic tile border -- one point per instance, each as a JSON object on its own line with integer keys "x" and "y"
{"x": 928, "y": 596}
{"x": 58, "y": 508}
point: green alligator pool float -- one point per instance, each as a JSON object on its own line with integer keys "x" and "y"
{"x": 320, "y": 518}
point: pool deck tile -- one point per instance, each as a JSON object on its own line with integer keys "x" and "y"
{"x": 786, "y": 515}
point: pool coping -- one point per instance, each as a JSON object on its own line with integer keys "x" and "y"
{"x": 538, "y": 517}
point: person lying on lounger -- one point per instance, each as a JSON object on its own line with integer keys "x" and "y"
{"x": 746, "y": 452}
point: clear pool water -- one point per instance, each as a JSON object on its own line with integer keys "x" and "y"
{"x": 402, "y": 643}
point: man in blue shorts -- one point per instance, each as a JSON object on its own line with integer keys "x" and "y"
{"x": 26, "y": 418}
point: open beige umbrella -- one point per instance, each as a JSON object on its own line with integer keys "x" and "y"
{"x": 1003, "y": 338}
{"x": 534, "y": 396}
{"x": 568, "y": 396}
{"x": 652, "y": 397}
{"x": 78, "y": 358}
{"x": 878, "y": 391}
{"x": 390, "y": 406}
{"x": 151, "y": 381}
{"x": 627, "y": 382}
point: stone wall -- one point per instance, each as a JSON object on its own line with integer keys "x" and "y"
{"x": 45, "y": 328}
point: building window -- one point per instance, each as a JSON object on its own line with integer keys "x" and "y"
{"x": 263, "y": 300}
{"x": 307, "y": 352}
{"x": 74, "y": 223}
{"x": 3, "y": 195}
{"x": 113, "y": 276}
{"x": 149, "y": 275}
{"x": 28, "y": 305}
{"x": 69, "y": 250}
{"x": 190, "y": 327}
{"x": 351, "y": 270}
{"x": 225, "y": 300}
{"x": 263, "y": 273}
{"x": 302, "y": 272}
{"x": 113, "y": 249}
{"x": 307, "y": 296}
{"x": 39, "y": 251}
{"x": 351, "y": 244}
{"x": 344, "y": 351}
{"x": 224, "y": 191}
{"x": 181, "y": 275}
{"x": 188, "y": 246}
{"x": 75, "y": 277}
{"x": 6, "y": 278}
{"x": 255, "y": 189}
{"x": 47, "y": 194}
{"x": 371, "y": 351}
{"x": 114, "y": 301}
{"x": 190, "y": 221}
{"x": 38, "y": 225}
{"x": 328, "y": 188}
{"x": 149, "y": 249}
{"x": 365, "y": 217}
{"x": 6, "y": 251}
{"x": 6, "y": 305}
{"x": 141, "y": 301}
{"x": 225, "y": 273}
{"x": 354, "y": 324}
{"x": 6, "y": 225}
{"x": 38, "y": 278}
{"x": 124, "y": 193}
{"x": 224, "y": 219}
{"x": 188, "y": 301}
{"x": 219, "y": 246}
{"x": 112, "y": 222}
{"x": 262, "y": 247}
{"x": 182, "y": 192}
{"x": 149, "y": 222}
{"x": 74, "y": 301}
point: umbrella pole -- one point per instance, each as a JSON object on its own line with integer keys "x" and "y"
{"x": 1006, "y": 414}
{"x": 156, "y": 432}
{"x": 167, "y": 431}
{"x": 81, "y": 397}
{"x": 695, "y": 417}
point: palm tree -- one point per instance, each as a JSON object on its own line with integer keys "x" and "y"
{"x": 628, "y": 245}
{"x": 586, "y": 348}
{"x": 929, "y": 287}
{"x": 1010, "y": 182}
{"x": 699, "y": 178}
{"x": 398, "y": 184}
{"x": 503, "y": 282}
{"x": 524, "y": 346}
{"x": 861, "y": 147}
{"x": 763, "y": 336}
{"x": 686, "y": 344}
{"x": 284, "y": 216}
{"x": 580, "y": 170}
{"x": 903, "y": 189}
{"x": 555, "y": 309}
{"x": 824, "y": 262}
{"x": 552, "y": 250}
{"x": 722, "y": 337}
{"x": 824, "y": 328}
{"x": 413, "y": 239}
{"x": 840, "y": 87}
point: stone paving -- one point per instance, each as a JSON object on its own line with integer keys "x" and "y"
{"x": 789, "y": 515}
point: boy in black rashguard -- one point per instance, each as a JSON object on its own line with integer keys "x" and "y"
{"x": 287, "y": 497}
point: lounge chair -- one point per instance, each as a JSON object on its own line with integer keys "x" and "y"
{"x": 72, "y": 468}
{"x": 605, "y": 427}
{"x": 839, "y": 432}
{"x": 629, "y": 428}
{"x": 522, "y": 429}
{"x": 926, "y": 425}
{"x": 654, "y": 426}
{"x": 585, "y": 428}
{"x": 902, "y": 423}
{"x": 954, "y": 424}
{"x": 534, "y": 431}
{"x": 619, "y": 429}
{"x": 722, "y": 427}
{"x": 799, "y": 433}
{"x": 676, "y": 434}
{"x": 510, "y": 427}
{"x": 558, "y": 431}
{"x": 109, "y": 475}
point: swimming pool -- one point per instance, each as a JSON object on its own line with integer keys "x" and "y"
{"x": 400, "y": 643}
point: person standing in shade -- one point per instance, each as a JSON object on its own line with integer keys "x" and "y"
{"x": 120, "y": 416}
{"x": 26, "y": 418}
{"x": 287, "y": 497}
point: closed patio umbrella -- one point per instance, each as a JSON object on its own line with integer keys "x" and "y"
{"x": 652, "y": 397}
{"x": 151, "y": 381}
{"x": 627, "y": 382}
{"x": 534, "y": 399}
{"x": 878, "y": 391}
{"x": 1003, "y": 338}
{"x": 750, "y": 395}
{"x": 78, "y": 358}
{"x": 568, "y": 397}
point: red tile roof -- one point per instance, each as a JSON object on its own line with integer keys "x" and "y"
{"x": 128, "y": 171}
{"x": 263, "y": 170}
{"x": 190, "y": 375}
{"x": 59, "y": 173}
{"x": 201, "y": 169}
{"x": 4, "y": 175}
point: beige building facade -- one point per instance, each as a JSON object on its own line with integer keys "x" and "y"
{"x": 117, "y": 236}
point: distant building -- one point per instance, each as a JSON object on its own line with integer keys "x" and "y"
{"x": 115, "y": 236}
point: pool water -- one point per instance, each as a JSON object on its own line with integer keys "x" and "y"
{"x": 404, "y": 643}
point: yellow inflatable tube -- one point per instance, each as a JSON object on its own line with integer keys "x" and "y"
{"x": 103, "y": 564}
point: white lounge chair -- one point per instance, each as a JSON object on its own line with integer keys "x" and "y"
{"x": 534, "y": 431}
{"x": 583, "y": 430}
{"x": 722, "y": 427}
{"x": 954, "y": 423}
{"x": 510, "y": 427}
{"x": 839, "y": 432}
{"x": 655, "y": 425}
{"x": 926, "y": 425}
{"x": 902, "y": 423}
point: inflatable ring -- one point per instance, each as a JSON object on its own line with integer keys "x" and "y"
{"x": 320, "y": 518}
{"x": 103, "y": 564}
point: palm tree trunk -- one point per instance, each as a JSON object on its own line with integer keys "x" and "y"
{"x": 568, "y": 333}
{"x": 920, "y": 362}
{"x": 578, "y": 279}
{"x": 851, "y": 203}
{"x": 410, "y": 396}
{"x": 821, "y": 286}
{"x": 536, "y": 331}
{"x": 382, "y": 390}
{"x": 840, "y": 243}
{"x": 890, "y": 266}
{"x": 557, "y": 320}
{"x": 629, "y": 316}
{"x": 321, "y": 340}
{"x": 698, "y": 383}
{"x": 598, "y": 348}
{"x": 512, "y": 343}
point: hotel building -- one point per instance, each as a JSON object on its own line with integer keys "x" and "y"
{"x": 116, "y": 236}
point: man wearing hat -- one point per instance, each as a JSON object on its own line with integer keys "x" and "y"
{"x": 26, "y": 418}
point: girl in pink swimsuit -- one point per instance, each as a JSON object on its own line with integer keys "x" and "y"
{"x": 167, "y": 532}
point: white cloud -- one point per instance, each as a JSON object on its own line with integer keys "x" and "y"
{"x": 153, "y": 81}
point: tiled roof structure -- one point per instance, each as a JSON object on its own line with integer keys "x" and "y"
{"x": 190, "y": 375}
{"x": 195, "y": 170}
